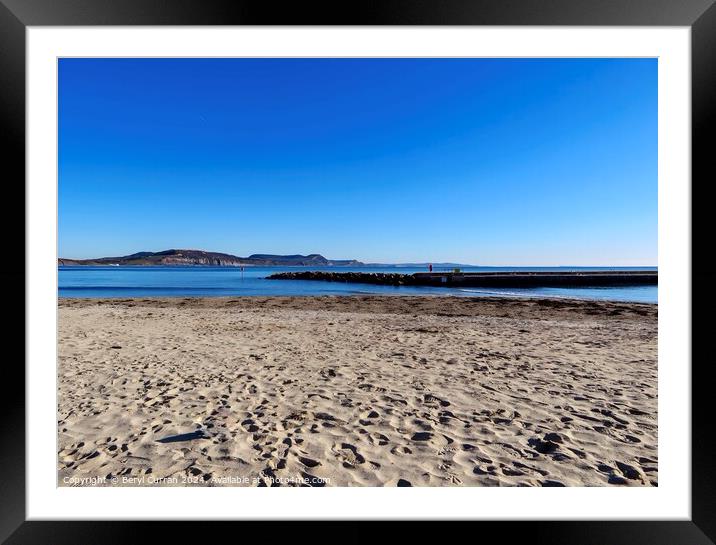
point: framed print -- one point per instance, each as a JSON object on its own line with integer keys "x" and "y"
{"x": 434, "y": 261}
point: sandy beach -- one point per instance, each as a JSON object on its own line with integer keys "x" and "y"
{"x": 357, "y": 391}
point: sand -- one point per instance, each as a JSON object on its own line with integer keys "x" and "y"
{"x": 356, "y": 391}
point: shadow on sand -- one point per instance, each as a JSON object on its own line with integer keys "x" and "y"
{"x": 198, "y": 434}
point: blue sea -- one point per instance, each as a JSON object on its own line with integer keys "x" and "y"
{"x": 229, "y": 281}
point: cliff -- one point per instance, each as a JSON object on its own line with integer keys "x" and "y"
{"x": 214, "y": 259}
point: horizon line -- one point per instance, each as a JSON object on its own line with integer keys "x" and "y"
{"x": 366, "y": 262}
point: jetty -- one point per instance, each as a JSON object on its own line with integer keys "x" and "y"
{"x": 511, "y": 279}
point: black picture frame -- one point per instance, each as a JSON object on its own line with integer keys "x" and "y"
{"x": 699, "y": 15}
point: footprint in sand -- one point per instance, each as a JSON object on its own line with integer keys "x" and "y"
{"x": 249, "y": 425}
{"x": 435, "y": 440}
{"x": 348, "y": 454}
{"x": 435, "y": 401}
{"x": 308, "y": 462}
{"x": 379, "y": 439}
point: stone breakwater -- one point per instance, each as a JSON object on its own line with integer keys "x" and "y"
{"x": 520, "y": 279}
{"x": 386, "y": 279}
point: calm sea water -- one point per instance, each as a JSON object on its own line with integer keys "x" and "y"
{"x": 223, "y": 281}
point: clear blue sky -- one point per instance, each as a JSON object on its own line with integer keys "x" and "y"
{"x": 482, "y": 161}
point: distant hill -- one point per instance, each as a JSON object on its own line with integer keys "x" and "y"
{"x": 215, "y": 259}
{"x": 297, "y": 259}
